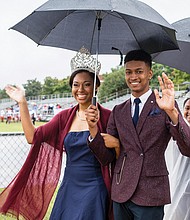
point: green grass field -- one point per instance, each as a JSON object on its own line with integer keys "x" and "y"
{"x": 14, "y": 126}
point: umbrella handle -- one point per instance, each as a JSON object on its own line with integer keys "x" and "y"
{"x": 94, "y": 100}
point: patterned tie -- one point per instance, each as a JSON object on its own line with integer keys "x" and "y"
{"x": 136, "y": 114}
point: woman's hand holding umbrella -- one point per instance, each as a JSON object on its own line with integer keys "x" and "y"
{"x": 92, "y": 116}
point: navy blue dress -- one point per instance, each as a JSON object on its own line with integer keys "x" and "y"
{"x": 82, "y": 194}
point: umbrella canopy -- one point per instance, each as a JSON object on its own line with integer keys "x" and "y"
{"x": 179, "y": 59}
{"x": 99, "y": 26}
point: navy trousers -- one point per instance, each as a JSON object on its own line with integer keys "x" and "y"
{"x": 130, "y": 211}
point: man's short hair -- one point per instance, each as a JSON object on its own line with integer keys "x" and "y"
{"x": 139, "y": 55}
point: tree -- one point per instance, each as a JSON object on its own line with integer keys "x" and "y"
{"x": 49, "y": 85}
{"x": 3, "y": 94}
{"x": 177, "y": 76}
{"x": 62, "y": 86}
{"x": 33, "y": 87}
{"x": 112, "y": 82}
{"x": 157, "y": 71}
{"x": 55, "y": 86}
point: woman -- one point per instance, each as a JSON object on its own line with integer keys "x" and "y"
{"x": 84, "y": 191}
{"x": 186, "y": 108}
{"x": 179, "y": 209}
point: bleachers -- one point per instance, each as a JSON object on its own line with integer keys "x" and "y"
{"x": 65, "y": 102}
{"x": 110, "y": 104}
{"x": 68, "y": 101}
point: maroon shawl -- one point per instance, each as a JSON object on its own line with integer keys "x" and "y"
{"x": 30, "y": 192}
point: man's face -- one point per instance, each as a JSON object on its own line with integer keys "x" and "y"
{"x": 137, "y": 76}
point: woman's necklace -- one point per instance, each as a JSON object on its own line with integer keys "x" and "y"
{"x": 78, "y": 116}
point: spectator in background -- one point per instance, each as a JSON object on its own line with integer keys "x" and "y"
{"x": 186, "y": 109}
{"x": 33, "y": 119}
{"x": 179, "y": 209}
{"x": 8, "y": 115}
{"x": 57, "y": 109}
{"x": 2, "y": 115}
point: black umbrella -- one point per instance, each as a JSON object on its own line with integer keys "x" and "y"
{"x": 99, "y": 26}
{"x": 179, "y": 59}
{"x": 124, "y": 24}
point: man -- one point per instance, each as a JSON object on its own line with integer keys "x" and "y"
{"x": 140, "y": 186}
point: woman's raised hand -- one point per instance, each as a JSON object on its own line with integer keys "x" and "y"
{"x": 16, "y": 93}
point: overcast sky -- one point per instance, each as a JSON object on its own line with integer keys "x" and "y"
{"x": 22, "y": 60}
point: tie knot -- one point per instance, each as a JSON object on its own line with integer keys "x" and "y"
{"x": 137, "y": 101}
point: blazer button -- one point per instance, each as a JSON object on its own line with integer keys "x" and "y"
{"x": 141, "y": 154}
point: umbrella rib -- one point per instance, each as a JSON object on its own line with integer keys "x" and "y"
{"x": 92, "y": 37}
{"x": 130, "y": 29}
{"x": 119, "y": 16}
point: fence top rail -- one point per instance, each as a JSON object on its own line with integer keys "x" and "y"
{"x": 11, "y": 133}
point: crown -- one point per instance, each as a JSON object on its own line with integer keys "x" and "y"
{"x": 84, "y": 61}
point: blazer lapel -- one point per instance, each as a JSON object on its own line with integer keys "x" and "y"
{"x": 129, "y": 123}
{"x": 145, "y": 111}
{"x": 128, "y": 118}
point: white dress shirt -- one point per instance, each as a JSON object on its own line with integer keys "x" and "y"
{"x": 143, "y": 99}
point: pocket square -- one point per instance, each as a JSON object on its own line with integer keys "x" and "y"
{"x": 155, "y": 111}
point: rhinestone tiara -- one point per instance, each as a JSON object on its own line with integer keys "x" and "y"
{"x": 83, "y": 60}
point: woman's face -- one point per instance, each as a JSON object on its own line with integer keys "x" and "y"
{"x": 186, "y": 111}
{"x": 82, "y": 88}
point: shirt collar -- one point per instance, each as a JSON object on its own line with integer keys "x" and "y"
{"x": 143, "y": 97}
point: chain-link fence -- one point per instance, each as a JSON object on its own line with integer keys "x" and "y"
{"x": 14, "y": 149}
{"x": 13, "y": 152}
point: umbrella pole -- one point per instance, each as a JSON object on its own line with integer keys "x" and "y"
{"x": 94, "y": 98}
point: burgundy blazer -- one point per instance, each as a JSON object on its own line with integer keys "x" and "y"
{"x": 140, "y": 172}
